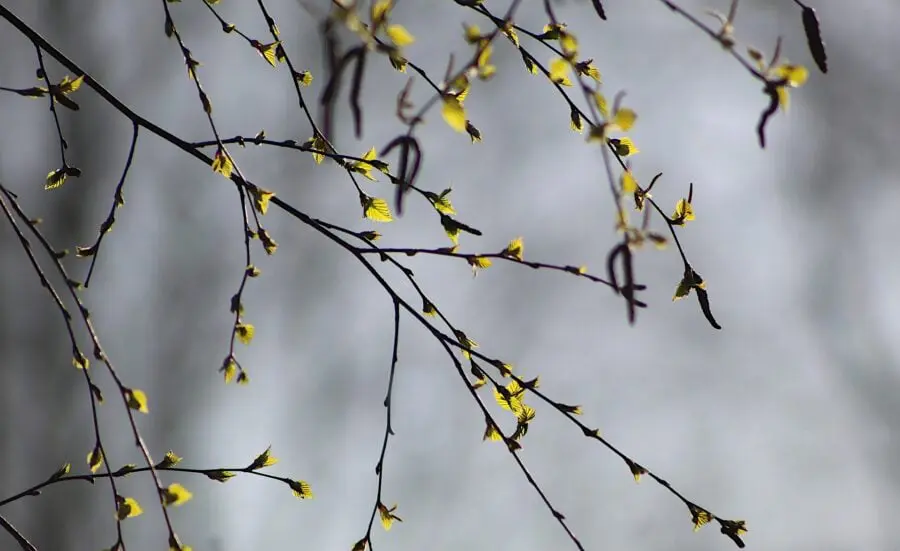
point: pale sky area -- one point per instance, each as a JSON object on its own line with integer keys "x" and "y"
{"x": 787, "y": 418}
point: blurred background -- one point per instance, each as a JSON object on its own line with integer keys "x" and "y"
{"x": 787, "y": 418}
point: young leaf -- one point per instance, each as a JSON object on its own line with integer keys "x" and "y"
{"x": 365, "y": 168}
{"x": 629, "y": 184}
{"x": 624, "y": 119}
{"x": 559, "y": 69}
{"x": 399, "y": 35}
{"x": 684, "y": 212}
{"x": 375, "y": 209}
{"x": 380, "y": 10}
{"x": 454, "y": 113}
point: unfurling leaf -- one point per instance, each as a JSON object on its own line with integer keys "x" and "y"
{"x": 269, "y": 244}
{"x": 685, "y": 285}
{"x": 268, "y": 51}
{"x": 125, "y": 469}
{"x": 170, "y": 460}
{"x": 222, "y": 163}
{"x": 304, "y": 78}
{"x": 587, "y": 68}
{"x": 636, "y": 470}
{"x": 491, "y": 432}
{"x": 474, "y": 133}
{"x": 229, "y": 369}
{"x": 265, "y": 459}
{"x": 465, "y": 343}
{"x": 441, "y": 203}
{"x": 683, "y": 212}
{"x": 136, "y": 399}
{"x": 575, "y": 122}
{"x": 219, "y": 475}
{"x": 61, "y": 472}
{"x": 515, "y": 249}
{"x": 175, "y": 494}
{"x": 387, "y": 516}
{"x": 84, "y": 252}
{"x": 301, "y": 489}
{"x": 479, "y": 262}
{"x": 734, "y": 529}
{"x": 244, "y": 332}
{"x": 127, "y": 507}
{"x": 55, "y": 178}
{"x": 624, "y": 147}
{"x": 574, "y": 410}
{"x": 261, "y": 198}
{"x": 80, "y": 361}
{"x": 318, "y": 145}
{"x": 699, "y": 516}
{"x": 95, "y": 458}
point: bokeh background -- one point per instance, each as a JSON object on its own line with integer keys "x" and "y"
{"x": 787, "y": 418}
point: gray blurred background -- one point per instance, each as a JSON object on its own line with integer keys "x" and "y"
{"x": 787, "y": 418}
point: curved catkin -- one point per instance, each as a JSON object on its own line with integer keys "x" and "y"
{"x": 814, "y": 38}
